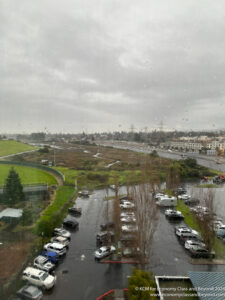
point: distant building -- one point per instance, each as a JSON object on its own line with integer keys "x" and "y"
{"x": 10, "y": 215}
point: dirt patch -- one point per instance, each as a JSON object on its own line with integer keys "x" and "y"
{"x": 12, "y": 256}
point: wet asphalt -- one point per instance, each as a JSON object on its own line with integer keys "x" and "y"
{"x": 79, "y": 276}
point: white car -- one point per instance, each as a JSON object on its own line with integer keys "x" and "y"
{"x": 127, "y": 214}
{"x": 62, "y": 232}
{"x": 104, "y": 251}
{"x": 184, "y": 197}
{"x": 127, "y": 204}
{"x": 194, "y": 245}
{"x": 173, "y": 214}
{"x": 129, "y": 228}
{"x": 60, "y": 239}
{"x": 187, "y": 232}
{"x": 128, "y": 219}
{"x": 158, "y": 195}
{"x": 42, "y": 263}
{"x": 56, "y": 247}
{"x": 39, "y": 278}
{"x": 217, "y": 225}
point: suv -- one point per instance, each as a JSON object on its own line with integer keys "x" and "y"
{"x": 56, "y": 247}
{"x": 39, "y": 278}
{"x": 62, "y": 240}
{"x": 42, "y": 263}
{"x": 104, "y": 236}
{"x": 62, "y": 232}
{"x": 30, "y": 292}
{"x": 51, "y": 256}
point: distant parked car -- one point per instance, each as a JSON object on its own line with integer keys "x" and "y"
{"x": 52, "y": 256}
{"x": 184, "y": 197}
{"x": 174, "y": 214}
{"x": 75, "y": 211}
{"x": 128, "y": 219}
{"x": 127, "y": 214}
{"x": 202, "y": 252}
{"x": 128, "y": 237}
{"x": 131, "y": 252}
{"x": 56, "y": 247}
{"x": 39, "y": 278}
{"x": 187, "y": 232}
{"x": 70, "y": 222}
{"x": 62, "y": 232}
{"x": 193, "y": 244}
{"x": 62, "y": 240}
{"x": 221, "y": 232}
{"x": 181, "y": 191}
{"x": 43, "y": 263}
{"x": 30, "y": 292}
{"x": 104, "y": 251}
{"x": 217, "y": 224}
{"x": 127, "y": 204}
{"x": 107, "y": 225}
{"x": 158, "y": 195}
{"x": 129, "y": 228}
{"x": 83, "y": 193}
{"x": 105, "y": 236}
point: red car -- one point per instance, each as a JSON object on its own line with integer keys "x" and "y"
{"x": 204, "y": 178}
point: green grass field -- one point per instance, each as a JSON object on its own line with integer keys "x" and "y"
{"x": 27, "y": 175}
{"x": 13, "y": 147}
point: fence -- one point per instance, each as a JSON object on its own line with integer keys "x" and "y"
{"x": 37, "y": 166}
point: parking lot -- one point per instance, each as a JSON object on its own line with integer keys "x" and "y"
{"x": 79, "y": 276}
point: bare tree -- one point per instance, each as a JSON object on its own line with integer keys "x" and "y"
{"x": 173, "y": 177}
{"x": 116, "y": 210}
{"x": 147, "y": 220}
{"x": 205, "y": 219}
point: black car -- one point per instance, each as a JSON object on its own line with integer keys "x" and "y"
{"x": 30, "y": 292}
{"x": 75, "y": 211}
{"x": 70, "y": 223}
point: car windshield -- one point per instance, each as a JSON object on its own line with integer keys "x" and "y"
{"x": 44, "y": 276}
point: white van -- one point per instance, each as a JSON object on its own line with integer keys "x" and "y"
{"x": 39, "y": 278}
{"x": 56, "y": 247}
{"x": 166, "y": 201}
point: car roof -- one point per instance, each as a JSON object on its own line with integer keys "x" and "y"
{"x": 49, "y": 253}
{"x": 56, "y": 245}
{"x": 41, "y": 258}
{"x": 35, "y": 271}
{"x": 30, "y": 289}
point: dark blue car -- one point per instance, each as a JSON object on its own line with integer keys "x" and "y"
{"x": 52, "y": 256}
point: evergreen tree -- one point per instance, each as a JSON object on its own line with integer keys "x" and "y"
{"x": 13, "y": 189}
{"x": 27, "y": 218}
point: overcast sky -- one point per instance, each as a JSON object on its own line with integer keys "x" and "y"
{"x": 102, "y": 65}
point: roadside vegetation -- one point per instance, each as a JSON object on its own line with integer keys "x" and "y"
{"x": 13, "y": 147}
{"x": 189, "y": 168}
{"x": 54, "y": 214}
{"x": 141, "y": 286}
